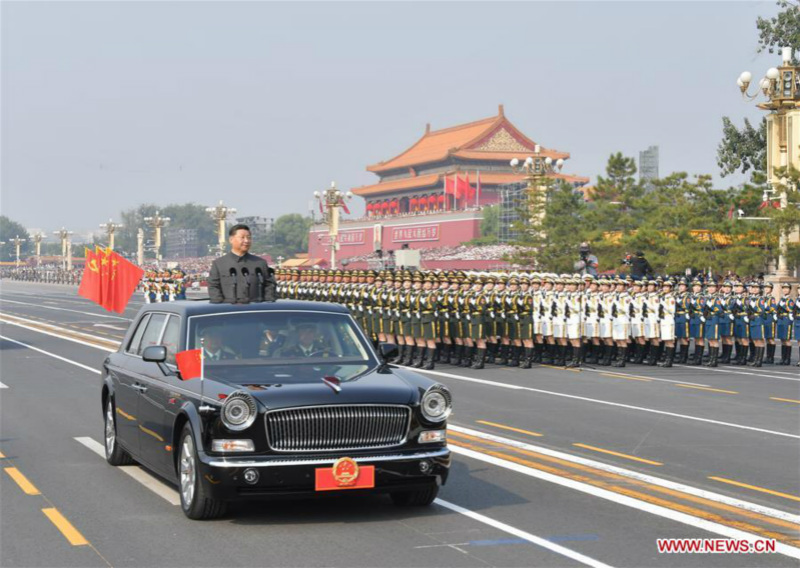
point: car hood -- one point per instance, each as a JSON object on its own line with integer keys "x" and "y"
{"x": 371, "y": 387}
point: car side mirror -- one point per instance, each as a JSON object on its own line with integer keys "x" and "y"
{"x": 155, "y": 354}
{"x": 388, "y": 350}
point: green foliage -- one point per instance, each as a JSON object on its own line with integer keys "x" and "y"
{"x": 742, "y": 150}
{"x": 683, "y": 223}
{"x": 10, "y": 229}
{"x": 290, "y": 236}
{"x": 781, "y": 31}
{"x": 490, "y": 226}
{"x": 182, "y": 216}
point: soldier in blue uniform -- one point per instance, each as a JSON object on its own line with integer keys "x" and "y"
{"x": 682, "y": 320}
{"x": 712, "y": 312}
{"x": 725, "y": 322}
{"x": 785, "y": 325}
{"x": 770, "y": 321}
{"x": 696, "y": 321}
{"x": 756, "y": 313}
{"x": 741, "y": 329}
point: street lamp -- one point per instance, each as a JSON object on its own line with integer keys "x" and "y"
{"x": 331, "y": 201}
{"x": 536, "y": 168}
{"x": 781, "y": 88}
{"x": 157, "y": 222}
{"x": 110, "y": 228}
{"x": 220, "y": 214}
{"x": 37, "y": 240}
{"x": 17, "y": 244}
{"x": 63, "y": 235}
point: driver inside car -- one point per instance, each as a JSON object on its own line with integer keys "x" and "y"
{"x": 309, "y": 343}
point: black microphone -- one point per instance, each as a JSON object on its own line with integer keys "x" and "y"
{"x": 261, "y": 284}
{"x": 235, "y": 281}
{"x": 246, "y": 274}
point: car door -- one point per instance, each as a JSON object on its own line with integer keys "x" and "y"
{"x": 126, "y": 396}
{"x": 155, "y": 429}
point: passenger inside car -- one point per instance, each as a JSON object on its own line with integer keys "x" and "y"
{"x": 214, "y": 347}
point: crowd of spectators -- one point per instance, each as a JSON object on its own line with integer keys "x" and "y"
{"x": 461, "y": 252}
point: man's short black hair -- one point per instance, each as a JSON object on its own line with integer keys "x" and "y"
{"x": 238, "y": 227}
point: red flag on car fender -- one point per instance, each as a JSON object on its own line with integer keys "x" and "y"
{"x": 190, "y": 363}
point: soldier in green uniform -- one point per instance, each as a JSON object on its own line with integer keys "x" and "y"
{"x": 479, "y": 307}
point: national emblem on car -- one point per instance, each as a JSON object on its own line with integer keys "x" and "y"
{"x": 345, "y": 471}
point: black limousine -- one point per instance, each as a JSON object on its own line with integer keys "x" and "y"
{"x": 293, "y": 400}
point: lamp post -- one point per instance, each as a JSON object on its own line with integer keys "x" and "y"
{"x": 110, "y": 228}
{"x": 17, "y": 244}
{"x": 220, "y": 214}
{"x": 781, "y": 89}
{"x": 140, "y": 246}
{"x": 37, "y": 240}
{"x": 536, "y": 169}
{"x": 64, "y": 235}
{"x": 157, "y": 222}
{"x": 280, "y": 261}
{"x": 331, "y": 201}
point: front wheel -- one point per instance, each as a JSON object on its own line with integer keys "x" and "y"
{"x": 115, "y": 455}
{"x": 416, "y": 498}
{"x": 194, "y": 501}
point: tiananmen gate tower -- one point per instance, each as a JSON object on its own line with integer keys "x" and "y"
{"x": 432, "y": 194}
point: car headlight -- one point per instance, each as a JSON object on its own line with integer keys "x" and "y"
{"x": 437, "y": 404}
{"x": 239, "y": 411}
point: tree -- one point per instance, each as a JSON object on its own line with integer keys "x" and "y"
{"x": 490, "y": 225}
{"x": 289, "y": 236}
{"x": 182, "y": 216}
{"x": 781, "y": 31}
{"x": 10, "y": 229}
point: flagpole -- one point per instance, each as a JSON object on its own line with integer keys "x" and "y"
{"x": 202, "y": 367}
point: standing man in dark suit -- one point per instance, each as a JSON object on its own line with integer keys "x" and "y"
{"x": 240, "y": 277}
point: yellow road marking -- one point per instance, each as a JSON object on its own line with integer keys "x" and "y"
{"x": 614, "y": 376}
{"x": 598, "y": 473}
{"x": 509, "y": 428}
{"x": 784, "y": 399}
{"x": 626, "y": 456}
{"x": 72, "y": 534}
{"x": 623, "y": 488}
{"x": 755, "y": 488}
{"x": 706, "y": 389}
{"x": 22, "y": 481}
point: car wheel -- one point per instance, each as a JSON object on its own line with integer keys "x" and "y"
{"x": 417, "y": 498}
{"x": 195, "y": 502}
{"x": 115, "y": 455}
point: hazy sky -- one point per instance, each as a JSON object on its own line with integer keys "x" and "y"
{"x": 109, "y": 104}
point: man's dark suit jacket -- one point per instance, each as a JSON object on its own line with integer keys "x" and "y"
{"x": 228, "y": 287}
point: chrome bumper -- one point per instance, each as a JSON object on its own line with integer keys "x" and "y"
{"x": 283, "y": 462}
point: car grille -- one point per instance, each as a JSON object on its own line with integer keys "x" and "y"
{"x": 337, "y": 427}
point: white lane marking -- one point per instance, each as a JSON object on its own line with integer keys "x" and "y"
{"x": 2, "y": 386}
{"x": 748, "y": 373}
{"x": 64, "y": 310}
{"x": 59, "y": 357}
{"x": 609, "y": 403}
{"x": 651, "y": 479}
{"x": 66, "y": 338}
{"x": 109, "y": 326}
{"x": 155, "y": 485}
{"x": 627, "y": 501}
{"x": 532, "y": 538}
{"x": 611, "y": 371}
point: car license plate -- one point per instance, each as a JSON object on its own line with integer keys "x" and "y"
{"x": 345, "y": 474}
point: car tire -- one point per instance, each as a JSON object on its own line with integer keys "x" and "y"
{"x": 417, "y": 498}
{"x": 115, "y": 455}
{"x": 195, "y": 502}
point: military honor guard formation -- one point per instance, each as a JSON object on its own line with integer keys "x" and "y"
{"x": 163, "y": 286}
{"x": 470, "y": 319}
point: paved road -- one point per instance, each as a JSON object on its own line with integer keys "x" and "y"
{"x": 552, "y": 467}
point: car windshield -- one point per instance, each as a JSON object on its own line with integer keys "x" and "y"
{"x": 280, "y": 339}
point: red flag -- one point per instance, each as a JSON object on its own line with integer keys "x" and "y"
{"x": 344, "y": 206}
{"x": 450, "y": 187}
{"x": 464, "y": 189}
{"x": 90, "y": 282}
{"x": 124, "y": 277}
{"x": 190, "y": 363}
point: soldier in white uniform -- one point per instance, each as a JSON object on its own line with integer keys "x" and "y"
{"x": 651, "y": 324}
{"x": 667, "y": 307}
{"x": 637, "y": 315}
{"x": 591, "y": 320}
{"x": 621, "y": 320}
{"x": 574, "y": 319}
{"x": 606, "y": 302}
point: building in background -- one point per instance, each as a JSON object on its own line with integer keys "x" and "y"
{"x": 260, "y": 228}
{"x": 181, "y": 243}
{"x": 432, "y": 194}
{"x": 648, "y": 166}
